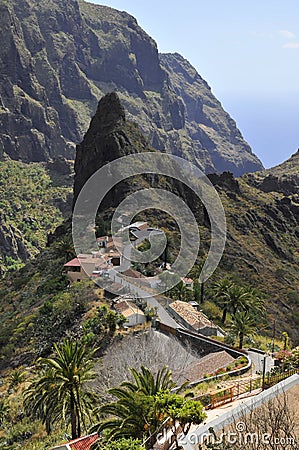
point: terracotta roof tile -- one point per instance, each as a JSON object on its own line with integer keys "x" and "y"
{"x": 194, "y": 318}
{"x": 73, "y": 263}
{"x": 82, "y": 443}
{"x": 127, "y": 308}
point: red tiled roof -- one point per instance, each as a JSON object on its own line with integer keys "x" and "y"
{"x": 73, "y": 263}
{"x": 82, "y": 443}
{"x": 194, "y": 318}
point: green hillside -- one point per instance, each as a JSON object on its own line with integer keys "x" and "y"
{"x": 33, "y": 202}
{"x": 262, "y": 248}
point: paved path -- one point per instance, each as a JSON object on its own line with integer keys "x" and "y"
{"x": 221, "y": 417}
{"x": 164, "y": 316}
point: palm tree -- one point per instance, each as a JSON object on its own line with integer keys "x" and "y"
{"x": 65, "y": 247}
{"x": 221, "y": 292}
{"x": 239, "y": 298}
{"x": 58, "y": 391}
{"x": 131, "y": 415}
{"x": 134, "y": 413}
{"x": 149, "y": 384}
{"x": 17, "y": 377}
{"x": 36, "y": 401}
{"x": 233, "y": 298}
{"x": 243, "y": 325}
{"x": 256, "y": 303}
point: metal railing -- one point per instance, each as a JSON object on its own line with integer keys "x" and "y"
{"x": 230, "y": 393}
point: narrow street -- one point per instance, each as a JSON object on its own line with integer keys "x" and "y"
{"x": 163, "y": 315}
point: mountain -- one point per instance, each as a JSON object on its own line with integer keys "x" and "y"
{"x": 59, "y": 57}
{"x": 262, "y": 248}
{"x": 109, "y": 136}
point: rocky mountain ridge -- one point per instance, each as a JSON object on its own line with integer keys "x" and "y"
{"x": 262, "y": 247}
{"x": 60, "y": 57}
{"x": 281, "y": 178}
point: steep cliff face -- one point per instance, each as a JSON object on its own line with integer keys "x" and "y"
{"x": 214, "y": 134}
{"x": 59, "y": 57}
{"x": 109, "y": 137}
{"x": 32, "y": 109}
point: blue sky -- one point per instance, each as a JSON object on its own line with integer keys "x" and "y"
{"x": 248, "y": 52}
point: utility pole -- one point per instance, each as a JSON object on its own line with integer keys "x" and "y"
{"x": 273, "y": 337}
{"x": 165, "y": 255}
{"x": 202, "y": 292}
{"x": 264, "y": 373}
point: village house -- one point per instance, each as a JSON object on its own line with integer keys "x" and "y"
{"x": 192, "y": 319}
{"x": 136, "y": 226}
{"x": 130, "y": 311}
{"x": 188, "y": 283}
{"x": 88, "y": 265}
{"x": 108, "y": 243}
{"x": 141, "y": 279}
{"x": 96, "y": 263}
{"x": 81, "y": 443}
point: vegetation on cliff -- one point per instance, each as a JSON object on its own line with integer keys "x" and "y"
{"x": 34, "y": 201}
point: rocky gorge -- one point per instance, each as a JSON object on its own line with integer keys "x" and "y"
{"x": 59, "y": 57}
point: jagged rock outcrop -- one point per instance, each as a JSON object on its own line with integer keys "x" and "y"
{"x": 109, "y": 137}
{"x": 11, "y": 241}
{"x": 225, "y": 180}
{"x": 283, "y": 178}
{"x": 59, "y": 57}
{"x": 60, "y": 165}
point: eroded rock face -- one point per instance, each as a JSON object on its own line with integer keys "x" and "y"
{"x": 11, "y": 241}
{"x": 225, "y": 180}
{"x": 60, "y": 165}
{"x": 110, "y": 136}
{"x": 59, "y": 57}
{"x": 283, "y": 178}
{"x": 216, "y": 141}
